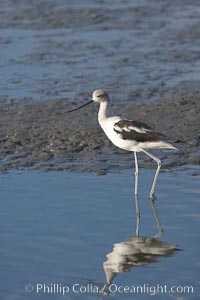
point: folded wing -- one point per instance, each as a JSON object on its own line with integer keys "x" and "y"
{"x": 137, "y": 131}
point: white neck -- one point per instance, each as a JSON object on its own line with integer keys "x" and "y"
{"x": 102, "y": 115}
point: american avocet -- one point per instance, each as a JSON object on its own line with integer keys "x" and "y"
{"x": 129, "y": 135}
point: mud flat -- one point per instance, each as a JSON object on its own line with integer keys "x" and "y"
{"x": 55, "y": 53}
{"x": 42, "y": 136}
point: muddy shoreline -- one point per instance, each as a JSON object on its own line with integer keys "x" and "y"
{"x": 55, "y": 53}
{"x": 41, "y": 136}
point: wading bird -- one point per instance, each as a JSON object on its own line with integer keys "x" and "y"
{"x": 129, "y": 135}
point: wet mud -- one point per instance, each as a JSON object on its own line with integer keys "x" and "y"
{"x": 54, "y": 54}
{"x": 42, "y": 135}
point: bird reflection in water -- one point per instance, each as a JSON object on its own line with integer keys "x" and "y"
{"x": 136, "y": 251}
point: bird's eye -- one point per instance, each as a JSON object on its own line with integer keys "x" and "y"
{"x": 99, "y": 96}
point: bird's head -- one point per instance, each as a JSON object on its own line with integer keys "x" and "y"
{"x": 99, "y": 96}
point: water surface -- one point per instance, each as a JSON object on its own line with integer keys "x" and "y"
{"x": 58, "y": 227}
{"x": 135, "y": 49}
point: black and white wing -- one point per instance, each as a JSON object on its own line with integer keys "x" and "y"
{"x": 137, "y": 131}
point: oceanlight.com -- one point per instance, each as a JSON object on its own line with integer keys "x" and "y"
{"x": 63, "y": 289}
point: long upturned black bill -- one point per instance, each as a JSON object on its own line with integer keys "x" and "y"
{"x": 79, "y": 107}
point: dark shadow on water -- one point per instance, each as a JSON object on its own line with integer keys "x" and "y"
{"x": 136, "y": 251}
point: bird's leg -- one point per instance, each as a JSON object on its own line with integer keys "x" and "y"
{"x": 137, "y": 208}
{"x": 156, "y": 175}
{"x": 136, "y": 174}
{"x": 160, "y": 233}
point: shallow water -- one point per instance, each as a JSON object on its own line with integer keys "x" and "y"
{"x": 58, "y": 227}
{"x": 133, "y": 49}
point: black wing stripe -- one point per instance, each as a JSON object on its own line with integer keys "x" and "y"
{"x": 147, "y": 133}
{"x": 130, "y": 123}
{"x": 141, "y": 137}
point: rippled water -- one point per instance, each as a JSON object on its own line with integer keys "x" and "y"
{"x": 57, "y": 228}
{"x": 132, "y": 48}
